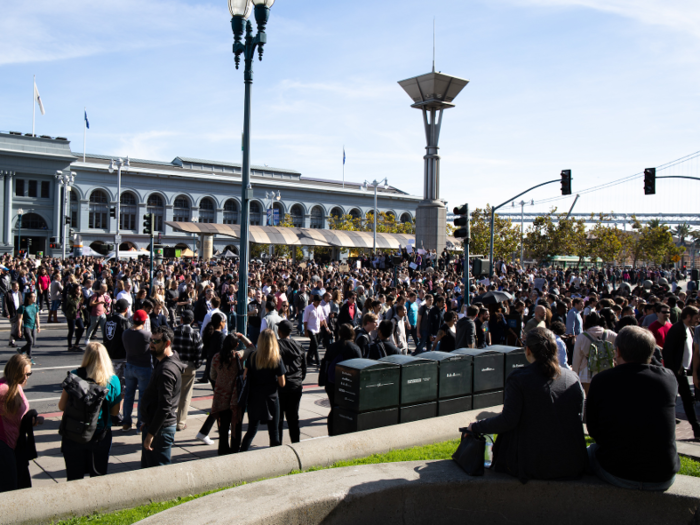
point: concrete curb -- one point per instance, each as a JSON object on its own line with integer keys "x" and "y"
{"x": 423, "y": 492}
{"x": 131, "y": 489}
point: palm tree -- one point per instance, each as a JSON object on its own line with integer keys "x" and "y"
{"x": 682, "y": 231}
{"x": 655, "y": 223}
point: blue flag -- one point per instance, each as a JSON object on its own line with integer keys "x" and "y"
{"x": 343, "y": 155}
{"x": 87, "y": 122}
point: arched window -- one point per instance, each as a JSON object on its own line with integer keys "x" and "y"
{"x": 406, "y": 217}
{"x": 355, "y": 213}
{"x": 181, "y": 209}
{"x": 73, "y": 208}
{"x": 127, "y": 211}
{"x": 297, "y": 214}
{"x": 99, "y": 210}
{"x": 231, "y": 212}
{"x": 254, "y": 214}
{"x": 155, "y": 206}
{"x": 207, "y": 211}
{"x": 33, "y": 221}
{"x": 337, "y": 212}
{"x": 277, "y": 216}
{"x": 317, "y": 217}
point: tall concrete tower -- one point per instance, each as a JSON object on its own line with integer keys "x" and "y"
{"x": 432, "y": 93}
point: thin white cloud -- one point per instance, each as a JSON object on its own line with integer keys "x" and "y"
{"x": 44, "y": 30}
{"x": 682, "y": 15}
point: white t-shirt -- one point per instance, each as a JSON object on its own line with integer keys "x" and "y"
{"x": 313, "y": 317}
{"x": 127, "y": 297}
{"x": 688, "y": 351}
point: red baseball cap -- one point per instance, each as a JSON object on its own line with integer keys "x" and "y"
{"x": 140, "y": 316}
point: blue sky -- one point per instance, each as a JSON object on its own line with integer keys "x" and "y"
{"x": 602, "y": 87}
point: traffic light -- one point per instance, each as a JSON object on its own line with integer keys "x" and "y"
{"x": 110, "y": 247}
{"x": 650, "y": 181}
{"x": 481, "y": 267}
{"x": 461, "y": 219}
{"x": 67, "y": 219}
{"x": 113, "y": 212}
{"x": 148, "y": 223}
{"x": 566, "y": 182}
{"x": 71, "y": 233}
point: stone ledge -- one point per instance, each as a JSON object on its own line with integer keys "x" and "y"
{"x": 433, "y": 492}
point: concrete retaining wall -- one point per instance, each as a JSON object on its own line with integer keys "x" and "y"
{"x": 419, "y": 493}
{"x": 130, "y": 489}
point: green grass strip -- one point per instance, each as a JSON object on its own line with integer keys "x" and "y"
{"x": 435, "y": 451}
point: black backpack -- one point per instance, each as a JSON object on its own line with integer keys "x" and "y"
{"x": 376, "y": 350}
{"x": 82, "y": 413}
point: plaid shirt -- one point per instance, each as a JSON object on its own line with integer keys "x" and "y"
{"x": 188, "y": 344}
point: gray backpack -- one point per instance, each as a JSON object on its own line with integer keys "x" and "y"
{"x": 85, "y": 399}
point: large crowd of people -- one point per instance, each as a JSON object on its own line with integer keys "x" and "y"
{"x": 620, "y": 342}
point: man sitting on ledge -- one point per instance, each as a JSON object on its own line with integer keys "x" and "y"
{"x": 631, "y": 414}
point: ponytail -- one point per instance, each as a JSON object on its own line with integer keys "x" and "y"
{"x": 543, "y": 346}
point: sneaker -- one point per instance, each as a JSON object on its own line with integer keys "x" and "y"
{"x": 205, "y": 439}
{"x": 126, "y": 428}
{"x": 32, "y": 361}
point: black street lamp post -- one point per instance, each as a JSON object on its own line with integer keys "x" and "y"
{"x": 246, "y": 46}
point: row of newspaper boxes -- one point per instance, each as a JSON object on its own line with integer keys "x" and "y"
{"x": 401, "y": 388}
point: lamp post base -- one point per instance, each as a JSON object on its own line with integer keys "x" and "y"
{"x": 431, "y": 226}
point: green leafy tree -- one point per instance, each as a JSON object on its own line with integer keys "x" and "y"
{"x": 506, "y": 239}
{"x": 554, "y": 234}
{"x": 653, "y": 242}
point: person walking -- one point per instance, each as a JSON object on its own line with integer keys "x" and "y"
{"x": 226, "y": 367}
{"x": 29, "y": 324}
{"x": 313, "y": 318}
{"x": 213, "y": 340}
{"x": 138, "y": 368}
{"x": 55, "y": 293}
{"x": 292, "y": 354}
{"x": 73, "y": 304}
{"x": 160, "y": 401}
{"x": 265, "y": 372}
{"x": 99, "y": 303}
{"x": 677, "y": 353}
{"x": 14, "y": 299}
{"x": 188, "y": 344}
{"x": 13, "y": 409}
{"x": 93, "y": 457}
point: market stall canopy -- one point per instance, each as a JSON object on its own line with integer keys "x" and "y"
{"x": 300, "y": 236}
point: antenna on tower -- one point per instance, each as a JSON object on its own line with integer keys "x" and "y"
{"x": 433, "y": 44}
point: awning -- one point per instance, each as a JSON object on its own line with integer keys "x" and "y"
{"x": 301, "y": 236}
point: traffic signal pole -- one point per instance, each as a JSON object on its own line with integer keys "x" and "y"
{"x": 493, "y": 217}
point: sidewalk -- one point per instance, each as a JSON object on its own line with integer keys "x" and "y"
{"x": 49, "y": 467}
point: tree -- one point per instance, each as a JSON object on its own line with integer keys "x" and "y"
{"x": 506, "y": 239}
{"x": 555, "y": 234}
{"x": 605, "y": 242}
{"x": 682, "y": 231}
{"x": 653, "y": 242}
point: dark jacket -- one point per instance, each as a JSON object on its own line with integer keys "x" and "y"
{"x": 338, "y": 352}
{"x": 382, "y": 348}
{"x": 10, "y": 304}
{"x": 293, "y": 357}
{"x": 344, "y": 315}
{"x": 200, "y": 310}
{"x": 435, "y": 319}
{"x": 627, "y": 402}
{"x": 540, "y": 432}
{"x": 160, "y": 400}
{"x": 115, "y": 326}
{"x": 466, "y": 333}
{"x": 363, "y": 339}
{"x": 674, "y": 346}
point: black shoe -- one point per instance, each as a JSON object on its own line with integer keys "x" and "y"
{"x": 12, "y": 344}
{"x": 202, "y": 381}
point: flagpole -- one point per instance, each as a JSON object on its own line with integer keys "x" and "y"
{"x": 33, "y": 105}
{"x": 343, "y": 166}
{"x": 84, "y": 130}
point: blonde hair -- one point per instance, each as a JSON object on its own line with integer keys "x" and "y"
{"x": 14, "y": 373}
{"x": 97, "y": 363}
{"x": 268, "y": 353}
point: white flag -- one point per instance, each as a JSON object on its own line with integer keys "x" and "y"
{"x": 37, "y": 97}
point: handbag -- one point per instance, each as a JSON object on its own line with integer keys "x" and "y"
{"x": 470, "y": 453}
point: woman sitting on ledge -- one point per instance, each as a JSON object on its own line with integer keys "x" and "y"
{"x": 540, "y": 431}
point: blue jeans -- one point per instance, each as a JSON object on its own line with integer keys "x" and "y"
{"x": 623, "y": 483}
{"x": 425, "y": 342}
{"x": 162, "y": 446}
{"x": 95, "y": 321}
{"x": 134, "y": 376}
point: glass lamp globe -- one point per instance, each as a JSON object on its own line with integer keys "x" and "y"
{"x": 266, "y": 3}
{"x": 240, "y": 8}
